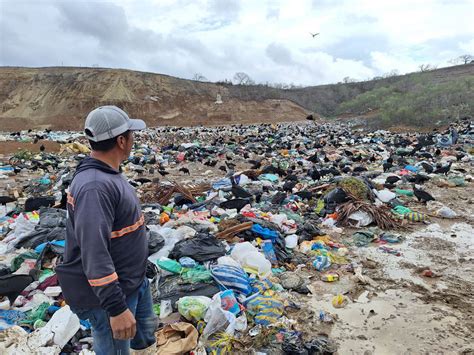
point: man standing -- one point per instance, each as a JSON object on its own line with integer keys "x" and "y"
{"x": 103, "y": 272}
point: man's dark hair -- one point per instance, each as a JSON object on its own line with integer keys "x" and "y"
{"x": 108, "y": 144}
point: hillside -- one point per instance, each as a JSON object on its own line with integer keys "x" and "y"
{"x": 422, "y": 98}
{"x": 60, "y": 97}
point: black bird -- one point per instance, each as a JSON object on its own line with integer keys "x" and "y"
{"x": 427, "y": 167}
{"x": 223, "y": 168}
{"x": 386, "y": 166}
{"x": 237, "y": 203}
{"x": 391, "y": 179}
{"x": 6, "y": 199}
{"x": 289, "y": 185}
{"x": 313, "y": 158}
{"x": 418, "y": 179}
{"x": 35, "y": 140}
{"x": 421, "y": 195}
{"x": 373, "y": 159}
{"x": 426, "y": 155}
{"x": 142, "y": 180}
{"x": 240, "y": 192}
{"x": 291, "y": 178}
{"x": 185, "y": 171}
{"x": 42, "y": 148}
{"x": 438, "y": 152}
{"x": 359, "y": 169}
{"x": 163, "y": 172}
{"x": 315, "y": 175}
{"x": 305, "y": 195}
{"x": 444, "y": 169}
{"x": 278, "y": 198}
{"x": 34, "y": 203}
{"x": 256, "y": 164}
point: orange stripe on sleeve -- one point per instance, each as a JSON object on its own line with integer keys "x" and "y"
{"x": 129, "y": 229}
{"x": 104, "y": 280}
{"x": 70, "y": 199}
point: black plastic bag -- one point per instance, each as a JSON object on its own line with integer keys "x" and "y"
{"x": 52, "y": 217}
{"x": 202, "y": 247}
{"x": 172, "y": 288}
{"x": 155, "y": 242}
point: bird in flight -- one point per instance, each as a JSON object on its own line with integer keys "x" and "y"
{"x": 314, "y": 34}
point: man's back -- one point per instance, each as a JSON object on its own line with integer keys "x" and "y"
{"x": 106, "y": 247}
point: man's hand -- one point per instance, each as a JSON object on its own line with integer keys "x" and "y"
{"x": 123, "y": 326}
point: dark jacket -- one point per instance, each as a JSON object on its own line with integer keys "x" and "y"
{"x": 106, "y": 245}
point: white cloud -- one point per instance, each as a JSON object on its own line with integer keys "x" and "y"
{"x": 270, "y": 40}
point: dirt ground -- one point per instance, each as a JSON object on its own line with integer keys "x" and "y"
{"x": 10, "y": 147}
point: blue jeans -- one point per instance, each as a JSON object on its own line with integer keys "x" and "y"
{"x": 141, "y": 305}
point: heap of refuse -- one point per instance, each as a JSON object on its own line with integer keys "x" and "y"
{"x": 245, "y": 225}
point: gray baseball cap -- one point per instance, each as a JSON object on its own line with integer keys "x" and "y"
{"x": 107, "y": 122}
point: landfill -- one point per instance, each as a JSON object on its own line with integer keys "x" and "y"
{"x": 263, "y": 239}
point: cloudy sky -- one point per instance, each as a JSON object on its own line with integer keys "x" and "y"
{"x": 267, "y": 39}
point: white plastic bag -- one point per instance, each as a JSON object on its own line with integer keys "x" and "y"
{"x": 291, "y": 241}
{"x": 171, "y": 237}
{"x": 165, "y": 308}
{"x": 385, "y": 195}
{"x": 361, "y": 218}
{"x": 63, "y": 325}
{"x": 446, "y": 212}
{"x": 227, "y": 260}
{"x": 218, "y": 319}
{"x": 249, "y": 257}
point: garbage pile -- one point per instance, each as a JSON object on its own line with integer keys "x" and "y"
{"x": 243, "y": 222}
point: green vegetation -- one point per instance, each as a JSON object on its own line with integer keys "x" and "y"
{"x": 416, "y": 101}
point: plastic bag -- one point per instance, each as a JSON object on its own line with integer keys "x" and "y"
{"x": 218, "y": 319}
{"x": 165, "y": 308}
{"x": 227, "y": 260}
{"x": 231, "y": 277}
{"x": 173, "y": 288}
{"x": 202, "y": 247}
{"x": 229, "y": 302}
{"x": 385, "y": 195}
{"x": 193, "y": 307}
{"x": 169, "y": 265}
{"x": 251, "y": 259}
{"x": 265, "y": 233}
{"x": 63, "y": 324}
{"x": 446, "y": 212}
{"x": 321, "y": 263}
{"x": 361, "y": 219}
{"x": 265, "y": 309}
{"x": 197, "y": 274}
{"x": 155, "y": 242}
{"x": 291, "y": 241}
{"x": 170, "y": 236}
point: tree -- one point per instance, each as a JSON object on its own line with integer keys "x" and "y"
{"x": 199, "y": 77}
{"x": 426, "y": 67}
{"x": 347, "y": 80}
{"x": 462, "y": 59}
{"x": 391, "y": 73}
{"x": 243, "y": 79}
